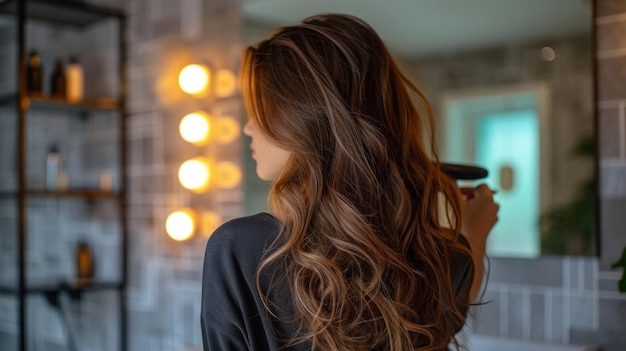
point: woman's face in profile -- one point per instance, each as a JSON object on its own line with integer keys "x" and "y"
{"x": 270, "y": 158}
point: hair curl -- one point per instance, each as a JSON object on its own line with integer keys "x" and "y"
{"x": 362, "y": 246}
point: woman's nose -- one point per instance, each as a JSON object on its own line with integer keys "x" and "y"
{"x": 248, "y": 128}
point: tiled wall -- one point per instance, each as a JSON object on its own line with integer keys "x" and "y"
{"x": 164, "y": 294}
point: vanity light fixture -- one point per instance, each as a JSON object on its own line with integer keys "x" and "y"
{"x": 195, "y": 174}
{"x": 225, "y": 83}
{"x": 194, "y": 79}
{"x": 227, "y": 175}
{"x": 180, "y": 225}
{"x": 209, "y": 221}
{"x": 195, "y": 128}
{"x": 227, "y": 129}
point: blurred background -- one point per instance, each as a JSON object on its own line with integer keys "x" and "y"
{"x": 115, "y": 171}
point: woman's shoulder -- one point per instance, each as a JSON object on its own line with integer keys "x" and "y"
{"x": 244, "y": 234}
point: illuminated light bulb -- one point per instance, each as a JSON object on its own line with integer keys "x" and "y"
{"x": 194, "y": 79}
{"x": 195, "y": 128}
{"x": 227, "y": 130}
{"x": 225, "y": 83}
{"x": 210, "y": 221}
{"x": 180, "y": 225}
{"x": 227, "y": 175}
{"x": 194, "y": 174}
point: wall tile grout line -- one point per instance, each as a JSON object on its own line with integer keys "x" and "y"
{"x": 609, "y": 19}
{"x": 504, "y": 312}
{"x": 526, "y": 314}
{"x": 548, "y": 316}
{"x": 606, "y": 275}
{"x": 611, "y": 295}
{"x": 566, "y": 273}
{"x": 594, "y": 294}
{"x": 607, "y": 54}
{"x": 545, "y": 290}
{"x": 581, "y": 275}
{"x": 565, "y": 300}
{"x": 612, "y": 162}
{"x": 567, "y": 323}
{"x": 622, "y": 130}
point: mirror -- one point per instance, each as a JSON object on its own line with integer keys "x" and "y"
{"x": 512, "y": 86}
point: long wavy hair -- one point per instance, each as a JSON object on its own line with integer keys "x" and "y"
{"x": 362, "y": 245}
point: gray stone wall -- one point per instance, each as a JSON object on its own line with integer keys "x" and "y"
{"x": 165, "y": 276}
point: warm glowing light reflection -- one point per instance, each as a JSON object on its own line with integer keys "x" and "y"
{"x": 210, "y": 221}
{"x": 194, "y": 174}
{"x": 180, "y": 225}
{"x": 227, "y": 175}
{"x": 194, "y": 79}
{"x": 548, "y": 54}
{"x": 227, "y": 130}
{"x": 225, "y": 83}
{"x": 195, "y": 128}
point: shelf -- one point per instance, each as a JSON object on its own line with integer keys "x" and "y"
{"x": 24, "y": 194}
{"x": 69, "y": 193}
{"x": 6, "y": 99}
{"x": 60, "y": 103}
{"x": 78, "y": 193}
{"x": 71, "y": 13}
{"x": 71, "y": 287}
{"x": 6, "y": 194}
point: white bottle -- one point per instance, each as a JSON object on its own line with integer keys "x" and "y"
{"x": 53, "y": 163}
{"x": 74, "y": 80}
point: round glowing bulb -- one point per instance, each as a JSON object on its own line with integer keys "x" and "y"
{"x": 227, "y": 130}
{"x": 195, "y": 128}
{"x": 194, "y": 174}
{"x": 194, "y": 79}
{"x": 227, "y": 175}
{"x": 180, "y": 225}
{"x": 225, "y": 83}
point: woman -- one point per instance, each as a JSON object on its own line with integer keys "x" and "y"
{"x": 353, "y": 254}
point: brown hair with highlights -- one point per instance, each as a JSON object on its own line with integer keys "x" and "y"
{"x": 362, "y": 247}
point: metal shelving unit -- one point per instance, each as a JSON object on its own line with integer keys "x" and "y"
{"x": 77, "y": 15}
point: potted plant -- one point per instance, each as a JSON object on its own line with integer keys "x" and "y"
{"x": 575, "y": 220}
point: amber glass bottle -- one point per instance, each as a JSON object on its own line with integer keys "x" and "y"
{"x": 34, "y": 73}
{"x": 84, "y": 263}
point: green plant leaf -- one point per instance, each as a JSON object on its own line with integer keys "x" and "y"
{"x": 621, "y": 285}
{"x": 622, "y": 260}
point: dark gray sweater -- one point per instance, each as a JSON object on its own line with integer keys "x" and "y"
{"x": 232, "y": 314}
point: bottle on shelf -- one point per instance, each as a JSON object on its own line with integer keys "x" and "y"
{"x": 84, "y": 263}
{"x": 57, "y": 80}
{"x": 34, "y": 73}
{"x": 53, "y": 163}
{"x": 74, "y": 80}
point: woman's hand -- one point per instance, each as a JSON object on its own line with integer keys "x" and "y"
{"x": 479, "y": 213}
